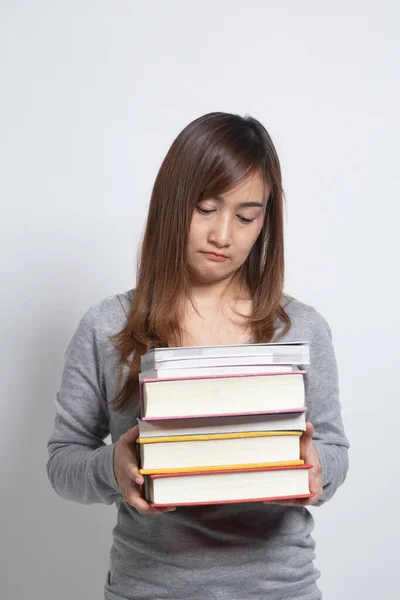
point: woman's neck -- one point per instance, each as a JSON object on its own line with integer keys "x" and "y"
{"x": 218, "y": 293}
{"x": 216, "y": 315}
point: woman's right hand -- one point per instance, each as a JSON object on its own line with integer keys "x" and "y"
{"x": 127, "y": 473}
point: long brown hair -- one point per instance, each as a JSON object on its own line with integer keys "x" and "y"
{"x": 211, "y": 156}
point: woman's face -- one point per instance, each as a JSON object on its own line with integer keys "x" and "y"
{"x": 224, "y": 229}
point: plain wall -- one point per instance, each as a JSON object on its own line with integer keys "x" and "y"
{"x": 92, "y": 95}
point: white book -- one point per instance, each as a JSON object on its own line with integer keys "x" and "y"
{"x": 204, "y": 371}
{"x": 167, "y": 398}
{"x": 294, "y": 352}
{"x": 220, "y": 450}
{"x": 295, "y": 421}
{"x": 226, "y": 361}
{"x": 234, "y": 486}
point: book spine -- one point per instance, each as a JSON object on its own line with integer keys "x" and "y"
{"x": 141, "y": 407}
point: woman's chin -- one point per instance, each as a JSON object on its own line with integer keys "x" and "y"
{"x": 199, "y": 277}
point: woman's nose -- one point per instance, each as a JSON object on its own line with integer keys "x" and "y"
{"x": 220, "y": 232}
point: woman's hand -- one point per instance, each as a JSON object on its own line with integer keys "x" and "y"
{"x": 309, "y": 454}
{"x": 127, "y": 473}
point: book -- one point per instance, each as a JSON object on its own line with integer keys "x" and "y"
{"x": 222, "y": 361}
{"x": 217, "y": 418}
{"x": 222, "y": 395}
{"x": 286, "y": 353}
{"x": 225, "y": 350}
{"x": 215, "y": 487}
{"x": 294, "y": 421}
{"x": 167, "y": 454}
{"x": 205, "y": 371}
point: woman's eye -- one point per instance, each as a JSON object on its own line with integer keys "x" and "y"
{"x": 208, "y": 211}
{"x": 244, "y": 220}
{"x": 204, "y": 211}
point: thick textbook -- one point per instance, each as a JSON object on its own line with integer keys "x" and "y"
{"x": 293, "y": 421}
{"x": 223, "y": 486}
{"x": 206, "y": 371}
{"x": 168, "y": 454}
{"x": 196, "y": 356}
{"x": 222, "y": 395}
{"x": 224, "y": 350}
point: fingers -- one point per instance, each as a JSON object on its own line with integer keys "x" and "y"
{"x": 313, "y": 483}
{"x": 316, "y": 489}
{"x": 130, "y": 436}
{"x": 127, "y": 473}
{"x": 298, "y": 502}
{"x": 133, "y": 472}
{"x": 309, "y": 454}
{"x": 134, "y": 499}
{"x": 128, "y": 439}
{"x": 306, "y": 440}
{"x": 309, "y": 432}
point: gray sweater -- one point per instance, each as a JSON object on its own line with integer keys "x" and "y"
{"x": 225, "y": 552}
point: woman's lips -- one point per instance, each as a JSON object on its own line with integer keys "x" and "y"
{"x": 215, "y": 256}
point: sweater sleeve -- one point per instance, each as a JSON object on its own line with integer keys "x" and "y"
{"x": 80, "y": 464}
{"x": 324, "y": 409}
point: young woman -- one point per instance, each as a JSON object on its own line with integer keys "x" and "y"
{"x": 211, "y": 272}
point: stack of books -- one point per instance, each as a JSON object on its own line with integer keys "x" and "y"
{"x": 222, "y": 423}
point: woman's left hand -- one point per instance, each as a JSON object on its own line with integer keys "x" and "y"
{"x": 309, "y": 454}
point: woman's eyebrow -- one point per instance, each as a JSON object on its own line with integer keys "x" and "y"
{"x": 241, "y": 204}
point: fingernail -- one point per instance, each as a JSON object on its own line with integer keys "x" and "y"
{"x": 169, "y": 509}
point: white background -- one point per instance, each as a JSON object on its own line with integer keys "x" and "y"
{"x": 92, "y": 95}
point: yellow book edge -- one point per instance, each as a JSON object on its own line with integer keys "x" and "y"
{"x": 288, "y": 463}
{"x": 214, "y": 436}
